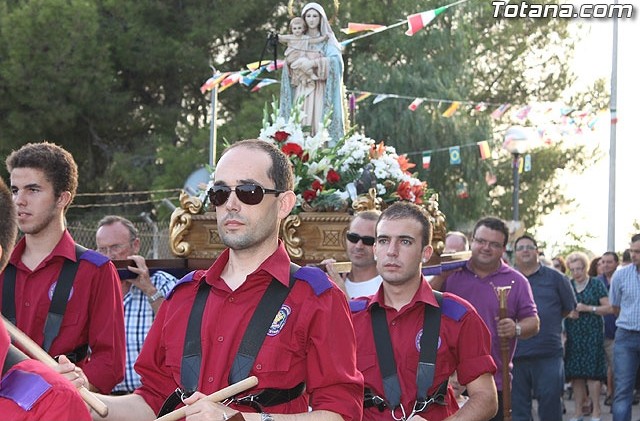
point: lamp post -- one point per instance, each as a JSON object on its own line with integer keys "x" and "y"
{"x": 516, "y": 142}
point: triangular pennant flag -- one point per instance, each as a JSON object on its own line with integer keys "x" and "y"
{"x": 527, "y": 162}
{"x": 353, "y": 28}
{"x": 485, "y": 152}
{"x": 279, "y": 65}
{"x": 418, "y": 21}
{"x": 253, "y": 66}
{"x": 451, "y": 110}
{"x": 363, "y": 96}
{"x": 523, "y": 112}
{"x": 415, "y": 104}
{"x": 498, "y": 112}
{"x": 262, "y": 84}
{"x": 490, "y": 178}
{"x": 454, "y": 155}
{"x": 480, "y": 107}
{"x": 426, "y": 159}
{"x": 380, "y": 98}
{"x": 230, "y": 80}
{"x": 250, "y": 79}
{"x": 461, "y": 190}
{"x": 213, "y": 81}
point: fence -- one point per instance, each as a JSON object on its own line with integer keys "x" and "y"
{"x": 154, "y": 238}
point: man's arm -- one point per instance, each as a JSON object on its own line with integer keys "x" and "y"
{"x": 202, "y": 410}
{"x": 124, "y": 408}
{"x": 483, "y": 400}
{"x": 529, "y": 326}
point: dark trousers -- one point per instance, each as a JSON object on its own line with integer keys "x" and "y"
{"x": 499, "y": 416}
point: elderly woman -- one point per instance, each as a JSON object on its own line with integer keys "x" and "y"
{"x": 584, "y": 348}
{"x": 325, "y": 98}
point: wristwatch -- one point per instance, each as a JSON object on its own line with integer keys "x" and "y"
{"x": 518, "y": 330}
{"x": 266, "y": 417}
{"x": 593, "y": 309}
{"x": 155, "y": 297}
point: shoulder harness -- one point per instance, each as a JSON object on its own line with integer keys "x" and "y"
{"x": 251, "y": 343}
{"x": 58, "y": 301}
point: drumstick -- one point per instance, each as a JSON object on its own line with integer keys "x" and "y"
{"x": 33, "y": 350}
{"x": 218, "y": 396}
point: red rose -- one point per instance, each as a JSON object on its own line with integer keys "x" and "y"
{"x": 404, "y": 191}
{"x": 332, "y": 177}
{"x": 280, "y": 136}
{"x": 317, "y": 185}
{"x": 309, "y": 195}
{"x": 292, "y": 149}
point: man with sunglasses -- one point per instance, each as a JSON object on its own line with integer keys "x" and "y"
{"x": 538, "y": 365}
{"x": 308, "y": 348}
{"x": 363, "y": 279}
{"x": 478, "y": 282}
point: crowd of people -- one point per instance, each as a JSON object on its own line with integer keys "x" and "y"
{"x": 380, "y": 342}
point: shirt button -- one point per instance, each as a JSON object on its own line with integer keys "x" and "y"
{"x": 210, "y": 379}
{"x": 220, "y": 339}
{"x": 393, "y": 323}
{"x": 231, "y": 299}
{"x": 27, "y": 304}
{"x": 258, "y": 366}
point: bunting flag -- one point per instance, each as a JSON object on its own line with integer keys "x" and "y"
{"x": 213, "y": 81}
{"x": 426, "y": 159}
{"x": 490, "y": 178}
{"x": 527, "y": 162}
{"x": 523, "y": 112}
{"x": 279, "y": 65}
{"x": 498, "y": 112}
{"x": 415, "y": 104}
{"x": 418, "y": 21}
{"x": 363, "y": 96}
{"x": 462, "y": 190}
{"x": 353, "y": 28}
{"x": 451, "y": 110}
{"x": 480, "y": 107}
{"x": 454, "y": 155}
{"x": 230, "y": 80}
{"x": 485, "y": 152}
{"x": 250, "y": 79}
{"x": 262, "y": 84}
{"x": 380, "y": 98}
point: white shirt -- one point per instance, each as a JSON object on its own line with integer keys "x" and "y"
{"x": 362, "y": 289}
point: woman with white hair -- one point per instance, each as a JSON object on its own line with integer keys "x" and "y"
{"x": 326, "y": 97}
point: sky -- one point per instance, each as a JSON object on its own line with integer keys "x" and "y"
{"x": 588, "y": 216}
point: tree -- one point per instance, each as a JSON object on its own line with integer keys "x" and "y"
{"x": 465, "y": 54}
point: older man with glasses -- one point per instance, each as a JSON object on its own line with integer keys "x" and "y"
{"x": 363, "y": 279}
{"x": 538, "y": 365}
{"x": 478, "y": 282}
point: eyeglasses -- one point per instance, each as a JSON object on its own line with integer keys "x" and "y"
{"x": 493, "y": 244}
{"x": 527, "y": 247}
{"x": 576, "y": 269}
{"x": 116, "y": 248}
{"x": 366, "y": 240}
{"x": 250, "y": 194}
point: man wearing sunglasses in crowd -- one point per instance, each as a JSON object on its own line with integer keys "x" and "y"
{"x": 363, "y": 279}
{"x": 478, "y": 282}
{"x": 299, "y": 364}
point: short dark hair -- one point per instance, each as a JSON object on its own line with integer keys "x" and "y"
{"x": 495, "y": 224}
{"x": 8, "y": 224}
{"x": 525, "y": 237}
{"x": 626, "y": 256}
{"x": 280, "y": 172}
{"x": 55, "y": 162}
{"x": 613, "y": 254}
{"x": 408, "y": 210}
{"x": 112, "y": 219}
{"x": 635, "y": 237}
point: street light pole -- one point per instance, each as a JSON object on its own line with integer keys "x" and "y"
{"x": 516, "y": 186}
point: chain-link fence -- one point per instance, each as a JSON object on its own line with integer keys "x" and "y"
{"x": 154, "y": 237}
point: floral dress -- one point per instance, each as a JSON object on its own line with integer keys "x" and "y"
{"x": 584, "y": 356}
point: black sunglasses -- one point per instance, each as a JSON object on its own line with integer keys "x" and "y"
{"x": 366, "y": 240}
{"x": 250, "y": 194}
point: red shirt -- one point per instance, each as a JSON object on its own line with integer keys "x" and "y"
{"x": 32, "y": 391}
{"x": 464, "y": 346}
{"x": 93, "y": 316}
{"x": 311, "y": 340}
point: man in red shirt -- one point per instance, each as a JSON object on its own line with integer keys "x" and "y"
{"x": 44, "y": 179}
{"x": 403, "y": 238}
{"x": 29, "y": 390}
{"x": 310, "y": 344}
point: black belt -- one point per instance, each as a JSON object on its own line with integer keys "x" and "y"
{"x": 439, "y": 398}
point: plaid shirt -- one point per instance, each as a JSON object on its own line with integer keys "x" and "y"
{"x": 625, "y": 293}
{"x": 138, "y": 317}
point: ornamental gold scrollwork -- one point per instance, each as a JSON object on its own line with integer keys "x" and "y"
{"x": 181, "y": 221}
{"x": 368, "y": 201}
